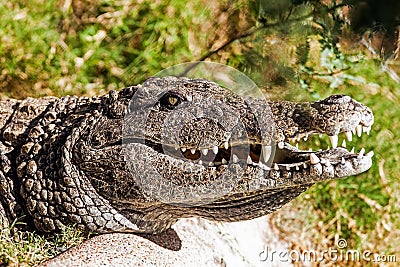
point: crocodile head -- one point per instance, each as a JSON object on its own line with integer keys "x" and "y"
{"x": 190, "y": 147}
{"x": 139, "y": 159}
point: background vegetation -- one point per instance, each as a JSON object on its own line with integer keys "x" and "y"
{"x": 293, "y": 49}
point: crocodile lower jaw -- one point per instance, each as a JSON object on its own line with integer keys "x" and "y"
{"x": 283, "y": 156}
{"x": 334, "y": 163}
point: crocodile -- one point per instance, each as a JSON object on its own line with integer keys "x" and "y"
{"x": 138, "y": 159}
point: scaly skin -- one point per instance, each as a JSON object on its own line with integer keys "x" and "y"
{"x": 139, "y": 159}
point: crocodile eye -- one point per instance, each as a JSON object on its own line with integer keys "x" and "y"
{"x": 170, "y": 100}
{"x": 173, "y": 101}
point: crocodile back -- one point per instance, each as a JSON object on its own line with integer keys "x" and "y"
{"x": 16, "y": 116}
{"x": 7, "y": 108}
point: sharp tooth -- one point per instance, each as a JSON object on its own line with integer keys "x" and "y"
{"x": 255, "y": 164}
{"x": 235, "y": 158}
{"x": 226, "y": 145}
{"x": 266, "y": 153}
{"x": 261, "y": 165}
{"x": 361, "y": 153}
{"x": 266, "y": 150}
{"x": 287, "y": 167}
{"x": 200, "y": 162}
{"x": 365, "y": 129}
{"x": 205, "y": 151}
{"x": 211, "y": 164}
{"x": 305, "y": 166}
{"x": 305, "y": 138}
{"x": 349, "y": 136}
{"x": 344, "y": 143}
{"x": 249, "y": 161}
{"x": 176, "y": 147}
{"x": 281, "y": 145}
{"x": 298, "y": 137}
{"x": 297, "y": 168}
{"x": 193, "y": 150}
{"x": 224, "y": 161}
{"x": 264, "y": 167}
{"x": 370, "y": 154}
{"x": 276, "y": 167}
{"x": 343, "y": 161}
{"x": 369, "y": 130}
{"x": 359, "y": 130}
{"x": 215, "y": 150}
{"x": 353, "y": 131}
{"x": 334, "y": 140}
{"x": 297, "y": 145}
{"x": 313, "y": 158}
{"x": 183, "y": 149}
{"x": 352, "y": 150}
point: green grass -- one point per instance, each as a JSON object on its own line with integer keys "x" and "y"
{"x": 19, "y": 248}
{"x": 91, "y": 47}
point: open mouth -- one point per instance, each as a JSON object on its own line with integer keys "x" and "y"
{"x": 282, "y": 155}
